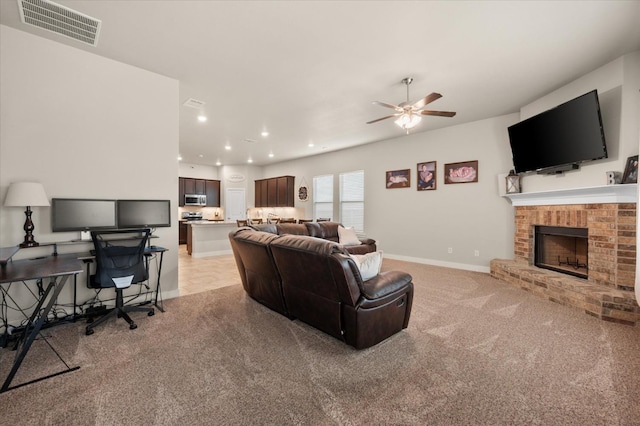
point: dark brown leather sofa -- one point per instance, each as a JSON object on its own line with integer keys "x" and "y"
{"x": 325, "y": 230}
{"x": 317, "y": 281}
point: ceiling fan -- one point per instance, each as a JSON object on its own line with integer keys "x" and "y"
{"x": 409, "y": 115}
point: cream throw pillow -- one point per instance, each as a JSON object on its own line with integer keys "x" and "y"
{"x": 369, "y": 264}
{"x": 348, "y": 237}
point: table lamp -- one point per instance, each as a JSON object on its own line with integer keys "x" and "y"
{"x": 29, "y": 194}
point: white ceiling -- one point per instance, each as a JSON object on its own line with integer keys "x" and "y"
{"x": 308, "y": 71}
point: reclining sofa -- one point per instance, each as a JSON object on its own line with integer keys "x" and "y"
{"x": 316, "y": 281}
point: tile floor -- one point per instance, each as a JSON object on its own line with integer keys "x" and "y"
{"x": 207, "y": 273}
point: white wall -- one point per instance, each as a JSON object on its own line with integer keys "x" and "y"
{"x": 85, "y": 127}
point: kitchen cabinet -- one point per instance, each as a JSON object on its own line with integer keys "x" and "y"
{"x": 182, "y": 236}
{"x": 181, "y": 192}
{"x": 191, "y": 186}
{"x": 212, "y": 191}
{"x": 275, "y": 192}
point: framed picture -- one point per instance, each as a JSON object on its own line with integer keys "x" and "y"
{"x": 464, "y": 172}
{"x": 427, "y": 176}
{"x": 399, "y": 178}
{"x": 631, "y": 170}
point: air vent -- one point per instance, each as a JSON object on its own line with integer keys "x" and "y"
{"x": 194, "y": 103}
{"x": 59, "y": 19}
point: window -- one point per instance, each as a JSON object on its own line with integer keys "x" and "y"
{"x": 352, "y": 200}
{"x": 323, "y": 196}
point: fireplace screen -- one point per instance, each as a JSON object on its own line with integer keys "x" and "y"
{"x": 562, "y": 249}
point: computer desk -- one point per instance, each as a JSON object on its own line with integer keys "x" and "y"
{"x": 58, "y": 269}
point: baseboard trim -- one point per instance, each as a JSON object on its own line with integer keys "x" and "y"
{"x": 452, "y": 265}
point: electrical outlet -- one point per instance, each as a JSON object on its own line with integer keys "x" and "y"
{"x": 450, "y": 250}
{"x": 476, "y": 253}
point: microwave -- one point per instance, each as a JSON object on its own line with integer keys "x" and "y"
{"x": 195, "y": 200}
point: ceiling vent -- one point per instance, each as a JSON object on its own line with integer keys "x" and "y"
{"x": 193, "y": 103}
{"x": 59, "y": 19}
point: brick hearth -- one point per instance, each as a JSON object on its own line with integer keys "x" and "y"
{"x": 608, "y": 291}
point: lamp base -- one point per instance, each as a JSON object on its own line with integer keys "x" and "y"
{"x": 28, "y": 244}
{"x": 28, "y": 227}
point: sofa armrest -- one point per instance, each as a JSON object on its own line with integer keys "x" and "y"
{"x": 368, "y": 241}
{"x": 385, "y": 283}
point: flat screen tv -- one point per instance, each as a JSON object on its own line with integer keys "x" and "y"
{"x": 561, "y": 138}
{"x": 144, "y": 214}
{"x": 77, "y": 214}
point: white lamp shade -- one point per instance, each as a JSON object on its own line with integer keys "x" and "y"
{"x": 22, "y": 194}
{"x": 408, "y": 121}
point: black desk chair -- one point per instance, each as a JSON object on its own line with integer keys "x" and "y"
{"x": 120, "y": 263}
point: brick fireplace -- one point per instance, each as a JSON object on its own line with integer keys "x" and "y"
{"x": 610, "y": 224}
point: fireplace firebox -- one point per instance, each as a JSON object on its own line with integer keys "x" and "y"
{"x": 562, "y": 249}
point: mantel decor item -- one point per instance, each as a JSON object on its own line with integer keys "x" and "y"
{"x": 27, "y": 194}
{"x": 513, "y": 183}
{"x": 631, "y": 170}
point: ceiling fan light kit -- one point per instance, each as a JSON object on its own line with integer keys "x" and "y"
{"x": 409, "y": 115}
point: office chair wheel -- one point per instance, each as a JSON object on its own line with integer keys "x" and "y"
{"x": 132, "y": 326}
{"x": 89, "y": 331}
{"x": 151, "y": 313}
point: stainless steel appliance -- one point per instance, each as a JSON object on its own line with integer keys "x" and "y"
{"x": 195, "y": 200}
{"x": 192, "y": 216}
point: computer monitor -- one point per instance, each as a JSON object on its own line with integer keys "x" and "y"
{"x": 77, "y": 214}
{"x": 144, "y": 214}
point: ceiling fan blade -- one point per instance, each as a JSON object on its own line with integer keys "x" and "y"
{"x": 426, "y": 100}
{"x": 383, "y": 118}
{"x": 438, "y": 113}
{"x": 386, "y": 105}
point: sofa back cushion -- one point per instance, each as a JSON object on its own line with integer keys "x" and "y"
{"x": 261, "y": 277}
{"x": 265, "y": 227}
{"x": 324, "y": 230}
{"x": 292, "y": 229}
{"x": 317, "y": 279}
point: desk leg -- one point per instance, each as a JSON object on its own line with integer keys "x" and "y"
{"x": 161, "y": 309}
{"x": 30, "y": 336}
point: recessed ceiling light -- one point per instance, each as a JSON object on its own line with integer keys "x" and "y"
{"x": 200, "y": 155}
{"x": 227, "y": 147}
{"x": 179, "y": 158}
{"x": 310, "y": 144}
{"x": 264, "y": 134}
{"x": 271, "y": 155}
{"x": 202, "y": 118}
{"x": 249, "y": 160}
{"x": 218, "y": 163}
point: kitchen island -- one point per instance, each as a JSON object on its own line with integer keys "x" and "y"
{"x": 209, "y": 238}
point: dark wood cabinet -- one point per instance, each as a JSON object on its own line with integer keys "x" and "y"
{"x": 181, "y": 192}
{"x": 285, "y": 191}
{"x": 212, "y": 191}
{"x": 191, "y": 186}
{"x": 275, "y": 192}
{"x": 182, "y": 236}
{"x": 200, "y": 187}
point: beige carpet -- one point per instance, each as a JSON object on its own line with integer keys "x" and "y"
{"x": 476, "y": 352}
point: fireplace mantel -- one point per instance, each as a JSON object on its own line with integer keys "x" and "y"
{"x": 627, "y": 193}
